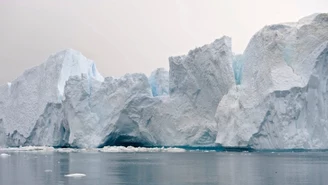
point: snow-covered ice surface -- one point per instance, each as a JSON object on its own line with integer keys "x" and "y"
{"x": 273, "y": 96}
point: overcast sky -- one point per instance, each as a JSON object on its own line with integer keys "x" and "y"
{"x": 126, "y": 36}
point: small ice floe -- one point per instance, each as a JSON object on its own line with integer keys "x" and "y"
{"x": 130, "y": 149}
{"x": 76, "y": 175}
{"x": 29, "y": 149}
{"x": 48, "y": 171}
{"x": 3, "y": 155}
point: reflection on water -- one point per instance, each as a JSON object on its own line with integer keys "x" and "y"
{"x": 36, "y": 168}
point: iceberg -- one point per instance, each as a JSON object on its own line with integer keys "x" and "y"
{"x": 66, "y": 102}
{"x": 273, "y": 96}
{"x": 280, "y": 103}
{"x": 96, "y": 111}
{"x": 186, "y": 115}
{"x": 25, "y": 102}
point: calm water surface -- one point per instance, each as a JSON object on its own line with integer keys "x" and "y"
{"x": 37, "y": 168}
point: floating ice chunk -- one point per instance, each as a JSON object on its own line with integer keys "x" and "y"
{"x": 36, "y": 149}
{"x": 48, "y": 171}
{"x": 30, "y": 149}
{"x": 76, "y": 175}
{"x": 4, "y": 155}
{"x": 175, "y": 150}
{"x": 66, "y": 150}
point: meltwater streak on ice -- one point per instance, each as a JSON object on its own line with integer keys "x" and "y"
{"x": 159, "y": 82}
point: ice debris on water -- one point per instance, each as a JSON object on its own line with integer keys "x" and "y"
{"x": 76, "y": 175}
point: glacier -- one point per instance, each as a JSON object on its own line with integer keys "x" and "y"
{"x": 273, "y": 96}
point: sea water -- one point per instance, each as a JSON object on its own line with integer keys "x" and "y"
{"x": 161, "y": 167}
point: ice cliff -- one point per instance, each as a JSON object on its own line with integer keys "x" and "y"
{"x": 281, "y": 102}
{"x": 25, "y": 101}
{"x": 273, "y": 96}
{"x": 66, "y": 102}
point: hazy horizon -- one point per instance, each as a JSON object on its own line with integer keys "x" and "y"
{"x": 132, "y": 36}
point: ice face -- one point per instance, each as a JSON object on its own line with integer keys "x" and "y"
{"x": 296, "y": 118}
{"x": 66, "y": 102}
{"x": 274, "y": 57}
{"x": 204, "y": 75}
{"x": 182, "y": 117}
{"x": 24, "y": 103}
{"x": 75, "y": 64}
{"x": 159, "y": 82}
{"x": 279, "y": 64}
{"x": 237, "y": 65}
{"x": 98, "y": 117}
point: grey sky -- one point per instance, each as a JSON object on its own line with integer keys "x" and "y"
{"x": 126, "y": 36}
